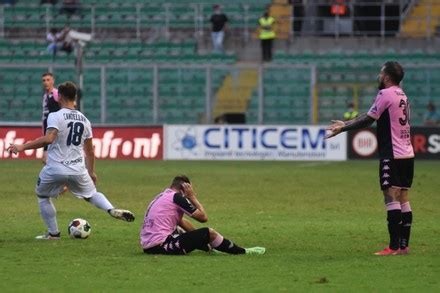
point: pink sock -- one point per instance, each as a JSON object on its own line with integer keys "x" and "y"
{"x": 406, "y": 208}
{"x": 217, "y": 241}
{"x": 394, "y": 205}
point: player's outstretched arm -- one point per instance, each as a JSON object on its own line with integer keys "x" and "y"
{"x": 90, "y": 158}
{"x": 359, "y": 122}
{"x": 50, "y": 137}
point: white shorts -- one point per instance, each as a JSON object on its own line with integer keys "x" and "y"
{"x": 50, "y": 185}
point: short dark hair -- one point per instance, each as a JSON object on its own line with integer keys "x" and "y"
{"x": 47, "y": 74}
{"x": 394, "y": 70}
{"x": 67, "y": 90}
{"x": 179, "y": 180}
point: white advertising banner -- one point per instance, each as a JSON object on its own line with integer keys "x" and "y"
{"x": 252, "y": 142}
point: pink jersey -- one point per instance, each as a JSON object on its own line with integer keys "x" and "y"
{"x": 55, "y": 95}
{"x": 391, "y": 110}
{"x": 50, "y": 102}
{"x": 162, "y": 217}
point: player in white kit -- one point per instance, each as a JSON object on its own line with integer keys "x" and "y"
{"x": 70, "y": 162}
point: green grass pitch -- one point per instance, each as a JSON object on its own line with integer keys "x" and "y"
{"x": 320, "y": 224}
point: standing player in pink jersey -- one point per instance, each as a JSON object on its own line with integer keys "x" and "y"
{"x": 50, "y": 102}
{"x": 165, "y": 215}
{"x": 392, "y": 112}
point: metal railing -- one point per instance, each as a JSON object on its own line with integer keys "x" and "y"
{"x": 295, "y": 90}
{"x": 212, "y": 77}
{"x": 171, "y": 20}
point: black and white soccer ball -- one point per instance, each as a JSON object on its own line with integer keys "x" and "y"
{"x": 79, "y": 228}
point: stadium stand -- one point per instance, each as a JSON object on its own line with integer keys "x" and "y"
{"x": 124, "y": 14}
{"x": 360, "y": 58}
{"x": 286, "y": 97}
{"x": 345, "y": 77}
{"x": 416, "y": 24}
{"x": 128, "y": 92}
{"x": 338, "y": 86}
{"x": 342, "y": 75}
{"x": 133, "y": 51}
{"x": 341, "y": 78}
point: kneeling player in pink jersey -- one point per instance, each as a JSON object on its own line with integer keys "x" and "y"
{"x": 165, "y": 215}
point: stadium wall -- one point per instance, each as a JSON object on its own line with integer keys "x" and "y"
{"x": 228, "y": 142}
{"x": 362, "y": 144}
{"x": 130, "y": 143}
{"x": 252, "y": 142}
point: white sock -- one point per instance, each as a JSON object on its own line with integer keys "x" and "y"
{"x": 49, "y": 214}
{"x": 100, "y": 201}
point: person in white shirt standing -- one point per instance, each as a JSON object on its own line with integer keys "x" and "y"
{"x": 70, "y": 162}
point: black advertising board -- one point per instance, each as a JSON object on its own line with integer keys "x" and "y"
{"x": 362, "y": 144}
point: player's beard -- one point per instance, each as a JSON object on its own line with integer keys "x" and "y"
{"x": 381, "y": 85}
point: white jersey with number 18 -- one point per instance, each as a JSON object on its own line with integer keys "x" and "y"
{"x": 65, "y": 156}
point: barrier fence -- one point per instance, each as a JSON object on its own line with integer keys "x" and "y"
{"x": 228, "y": 142}
{"x": 197, "y": 94}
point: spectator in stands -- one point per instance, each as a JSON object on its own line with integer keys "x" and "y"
{"x": 266, "y": 34}
{"x": 351, "y": 113}
{"x": 52, "y": 38}
{"x": 70, "y": 7}
{"x": 218, "y": 21}
{"x": 431, "y": 118}
{"x": 59, "y": 41}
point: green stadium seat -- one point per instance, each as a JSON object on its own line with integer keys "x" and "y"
{"x": 287, "y": 92}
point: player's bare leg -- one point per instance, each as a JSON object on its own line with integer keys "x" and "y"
{"x": 394, "y": 218}
{"x": 218, "y": 242}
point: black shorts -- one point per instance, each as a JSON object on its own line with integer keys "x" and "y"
{"x": 183, "y": 243}
{"x": 396, "y": 173}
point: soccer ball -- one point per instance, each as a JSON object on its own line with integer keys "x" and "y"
{"x": 79, "y": 228}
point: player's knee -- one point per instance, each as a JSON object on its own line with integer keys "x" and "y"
{"x": 390, "y": 195}
{"x": 403, "y": 196}
{"x": 387, "y": 199}
{"x": 42, "y": 198}
{"x": 212, "y": 234}
{"x": 204, "y": 233}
